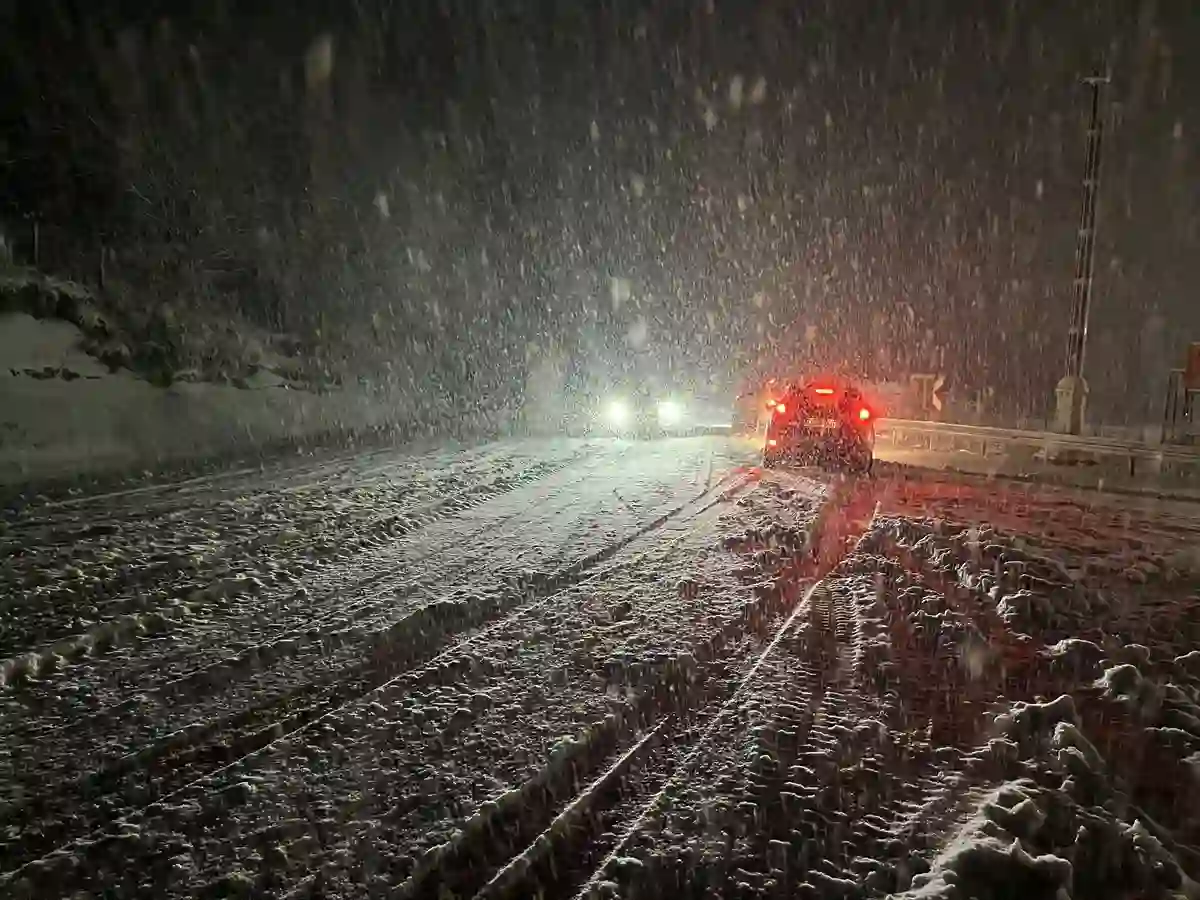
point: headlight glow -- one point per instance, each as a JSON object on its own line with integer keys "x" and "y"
{"x": 617, "y": 414}
{"x": 669, "y": 412}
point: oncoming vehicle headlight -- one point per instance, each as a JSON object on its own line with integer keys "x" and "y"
{"x": 617, "y": 414}
{"x": 669, "y": 412}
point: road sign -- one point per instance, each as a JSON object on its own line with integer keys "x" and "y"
{"x": 1191, "y": 372}
{"x": 926, "y": 386}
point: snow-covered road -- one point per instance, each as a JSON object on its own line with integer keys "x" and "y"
{"x": 618, "y": 669}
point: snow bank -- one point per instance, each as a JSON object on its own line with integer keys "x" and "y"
{"x": 53, "y": 428}
{"x": 1062, "y": 828}
{"x": 62, "y": 413}
{"x": 33, "y": 345}
{"x": 988, "y": 853}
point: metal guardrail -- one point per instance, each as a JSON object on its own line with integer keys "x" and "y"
{"x": 989, "y": 441}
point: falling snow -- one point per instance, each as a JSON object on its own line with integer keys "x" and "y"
{"x": 384, "y": 408}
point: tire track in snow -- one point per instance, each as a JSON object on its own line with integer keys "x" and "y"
{"x": 367, "y": 594}
{"x": 204, "y": 736}
{"x": 188, "y": 766}
{"x": 286, "y": 471}
{"x": 826, "y": 798}
{"x": 226, "y": 628}
{"x": 830, "y": 532}
{"x": 259, "y": 658}
{"x": 604, "y": 754}
{"x": 387, "y": 585}
{"x": 125, "y": 613}
{"x": 680, "y": 702}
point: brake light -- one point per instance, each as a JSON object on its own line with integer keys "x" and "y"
{"x": 864, "y": 415}
{"x": 780, "y": 408}
{"x": 824, "y": 392}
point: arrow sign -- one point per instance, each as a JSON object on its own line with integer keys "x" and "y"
{"x": 933, "y": 392}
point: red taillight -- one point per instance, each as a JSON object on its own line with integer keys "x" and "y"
{"x": 864, "y": 415}
{"x": 780, "y": 408}
{"x": 824, "y": 392}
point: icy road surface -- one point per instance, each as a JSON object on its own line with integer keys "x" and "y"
{"x": 599, "y": 669}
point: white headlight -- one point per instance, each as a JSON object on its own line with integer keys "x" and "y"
{"x": 669, "y": 412}
{"x": 617, "y": 414}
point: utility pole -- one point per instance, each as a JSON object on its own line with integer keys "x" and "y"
{"x": 1072, "y": 389}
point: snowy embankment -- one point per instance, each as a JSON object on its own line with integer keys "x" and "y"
{"x": 63, "y": 413}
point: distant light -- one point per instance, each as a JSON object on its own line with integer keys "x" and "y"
{"x": 618, "y": 414}
{"x": 780, "y": 407}
{"x": 669, "y": 412}
{"x": 824, "y": 392}
{"x": 864, "y": 414}
{"x": 771, "y": 442}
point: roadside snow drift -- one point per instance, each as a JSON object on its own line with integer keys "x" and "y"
{"x": 62, "y": 413}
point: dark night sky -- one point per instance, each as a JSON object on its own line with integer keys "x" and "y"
{"x": 902, "y": 185}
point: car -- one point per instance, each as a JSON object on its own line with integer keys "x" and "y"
{"x": 821, "y": 423}
{"x": 642, "y": 415}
